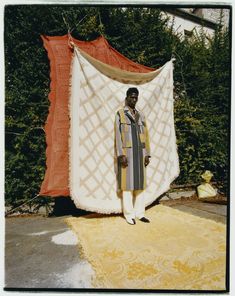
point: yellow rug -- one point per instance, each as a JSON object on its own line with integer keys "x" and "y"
{"x": 175, "y": 251}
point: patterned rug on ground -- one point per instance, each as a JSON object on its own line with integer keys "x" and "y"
{"x": 175, "y": 251}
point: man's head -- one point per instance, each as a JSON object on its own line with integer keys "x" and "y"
{"x": 132, "y": 97}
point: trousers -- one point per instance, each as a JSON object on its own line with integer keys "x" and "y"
{"x": 133, "y": 204}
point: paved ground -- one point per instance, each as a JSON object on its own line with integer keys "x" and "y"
{"x": 41, "y": 252}
{"x": 216, "y": 212}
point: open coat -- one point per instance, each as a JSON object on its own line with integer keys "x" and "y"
{"x": 131, "y": 140}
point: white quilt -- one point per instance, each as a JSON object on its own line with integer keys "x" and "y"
{"x": 97, "y": 92}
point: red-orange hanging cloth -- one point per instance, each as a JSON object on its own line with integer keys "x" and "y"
{"x": 56, "y": 180}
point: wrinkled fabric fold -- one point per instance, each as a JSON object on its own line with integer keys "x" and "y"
{"x": 119, "y": 74}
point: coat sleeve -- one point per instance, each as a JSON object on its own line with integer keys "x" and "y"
{"x": 147, "y": 142}
{"x": 118, "y": 137}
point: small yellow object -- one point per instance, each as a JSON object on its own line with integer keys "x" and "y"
{"x": 205, "y": 189}
{"x": 207, "y": 175}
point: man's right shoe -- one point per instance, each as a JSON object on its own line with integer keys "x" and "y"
{"x": 130, "y": 221}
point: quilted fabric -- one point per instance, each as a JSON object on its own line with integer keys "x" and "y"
{"x": 96, "y": 95}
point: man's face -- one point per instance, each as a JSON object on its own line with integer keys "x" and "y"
{"x": 132, "y": 100}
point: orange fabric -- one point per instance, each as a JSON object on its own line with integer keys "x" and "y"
{"x": 56, "y": 179}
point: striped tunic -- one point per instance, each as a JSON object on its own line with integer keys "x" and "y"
{"x": 131, "y": 140}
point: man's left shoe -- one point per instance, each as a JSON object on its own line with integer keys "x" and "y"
{"x": 144, "y": 219}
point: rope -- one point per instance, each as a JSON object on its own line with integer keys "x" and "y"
{"x": 70, "y": 30}
{"x": 26, "y": 132}
{"x": 12, "y": 210}
{"x": 70, "y": 41}
{"x": 66, "y": 23}
{"x": 101, "y": 26}
{"x": 177, "y": 129}
{"x": 78, "y": 23}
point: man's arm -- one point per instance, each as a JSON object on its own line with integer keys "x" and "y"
{"x": 147, "y": 144}
{"x": 121, "y": 152}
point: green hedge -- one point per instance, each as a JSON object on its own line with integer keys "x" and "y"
{"x": 201, "y": 75}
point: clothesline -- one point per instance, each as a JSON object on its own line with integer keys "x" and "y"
{"x": 177, "y": 130}
{"x": 21, "y": 134}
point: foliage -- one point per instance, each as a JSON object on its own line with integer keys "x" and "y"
{"x": 202, "y": 85}
{"x": 203, "y": 129}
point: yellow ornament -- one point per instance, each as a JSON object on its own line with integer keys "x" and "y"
{"x": 207, "y": 175}
{"x": 205, "y": 189}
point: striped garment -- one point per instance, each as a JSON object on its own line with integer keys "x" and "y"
{"x": 131, "y": 140}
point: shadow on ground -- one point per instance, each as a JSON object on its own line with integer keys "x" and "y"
{"x": 65, "y": 206}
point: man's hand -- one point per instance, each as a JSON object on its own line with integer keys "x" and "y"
{"x": 123, "y": 161}
{"x": 146, "y": 160}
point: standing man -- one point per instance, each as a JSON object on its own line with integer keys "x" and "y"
{"x": 133, "y": 155}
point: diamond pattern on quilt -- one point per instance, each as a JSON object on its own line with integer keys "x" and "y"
{"x": 92, "y": 168}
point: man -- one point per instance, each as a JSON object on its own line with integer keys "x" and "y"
{"x": 133, "y": 155}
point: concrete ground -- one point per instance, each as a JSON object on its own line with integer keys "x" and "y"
{"x": 42, "y": 252}
{"x": 216, "y": 212}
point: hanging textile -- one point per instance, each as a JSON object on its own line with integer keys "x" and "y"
{"x": 56, "y": 179}
{"x": 97, "y": 91}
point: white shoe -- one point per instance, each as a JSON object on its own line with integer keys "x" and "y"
{"x": 130, "y": 221}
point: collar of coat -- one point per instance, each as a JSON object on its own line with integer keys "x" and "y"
{"x": 130, "y": 115}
